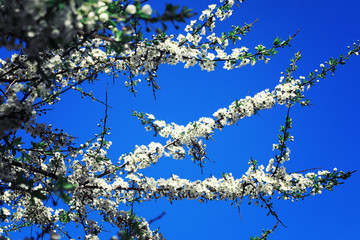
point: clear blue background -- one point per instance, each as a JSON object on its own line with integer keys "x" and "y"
{"x": 326, "y": 134}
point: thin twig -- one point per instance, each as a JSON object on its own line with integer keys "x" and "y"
{"x": 157, "y": 218}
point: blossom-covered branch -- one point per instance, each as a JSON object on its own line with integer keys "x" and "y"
{"x": 60, "y": 46}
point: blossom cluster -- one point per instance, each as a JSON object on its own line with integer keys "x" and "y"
{"x": 41, "y": 22}
{"x": 60, "y": 70}
{"x": 63, "y": 45}
{"x": 192, "y": 134}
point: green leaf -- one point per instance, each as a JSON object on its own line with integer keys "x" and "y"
{"x": 64, "y": 217}
{"x": 49, "y": 153}
{"x": 38, "y": 195}
{"x": 277, "y": 41}
{"x": 63, "y": 184}
{"x": 65, "y": 197}
{"x": 17, "y": 141}
{"x": 118, "y": 36}
{"x": 68, "y": 186}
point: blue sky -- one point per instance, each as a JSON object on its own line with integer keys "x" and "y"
{"x": 326, "y": 134}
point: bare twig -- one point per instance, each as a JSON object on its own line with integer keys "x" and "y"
{"x": 157, "y": 218}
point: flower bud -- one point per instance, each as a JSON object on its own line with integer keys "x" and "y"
{"x": 146, "y": 9}
{"x": 131, "y": 9}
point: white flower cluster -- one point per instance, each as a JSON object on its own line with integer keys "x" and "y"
{"x": 288, "y": 91}
{"x": 30, "y": 209}
{"x": 186, "y": 49}
{"x": 204, "y": 127}
{"x": 69, "y": 68}
{"x": 40, "y": 22}
{"x": 52, "y": 165}
{"x": 192, "y": 134}
{"x": 252, "y": 184}
{"x": 142, "y": 157}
